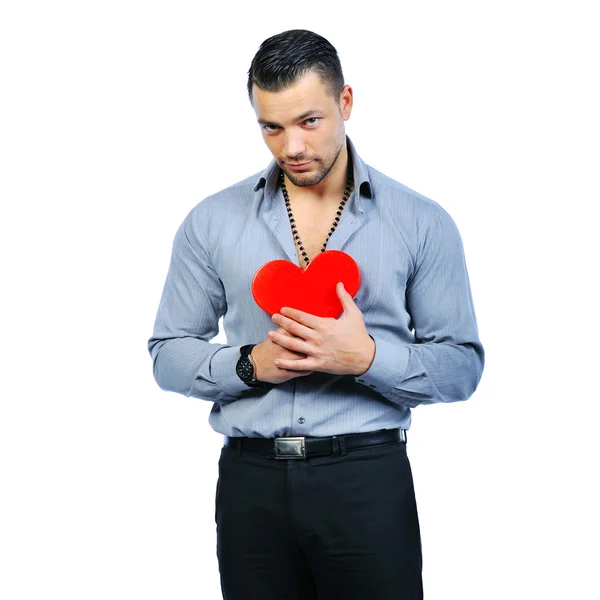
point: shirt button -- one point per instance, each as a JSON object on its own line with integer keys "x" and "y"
{"x": 301, "y": 420}
{"x": 361, "y": 381}
{"x": 372, "y": 386}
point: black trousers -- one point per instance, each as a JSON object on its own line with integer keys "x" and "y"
{"x": 325, "y": 528}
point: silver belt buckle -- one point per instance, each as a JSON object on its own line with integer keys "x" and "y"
{"x": 290, "y": 447}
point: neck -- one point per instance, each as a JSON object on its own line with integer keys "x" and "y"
{"x": 333, "y": 185}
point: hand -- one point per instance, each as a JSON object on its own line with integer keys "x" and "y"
{"x": 339, "y": 346}
{"x": 264, "y": 355}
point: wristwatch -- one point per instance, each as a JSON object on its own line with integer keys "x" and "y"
{"x": 245, "y": 368}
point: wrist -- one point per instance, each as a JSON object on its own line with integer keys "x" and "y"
{"x": 367, "y": 357}
{"x": 253, "y": 361}
{"x": 245, "y": 368}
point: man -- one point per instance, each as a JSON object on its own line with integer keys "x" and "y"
{"x": 315, "y": 496}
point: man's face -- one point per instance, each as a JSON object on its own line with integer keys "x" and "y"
{"x": 303, "y": 126}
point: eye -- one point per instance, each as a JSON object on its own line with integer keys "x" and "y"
{"x": 270, "y": 128}
{"x": 312, "y": 121}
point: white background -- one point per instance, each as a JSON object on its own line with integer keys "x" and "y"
{"x": 118, "y": 117}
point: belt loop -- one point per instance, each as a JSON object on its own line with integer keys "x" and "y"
{"x": 336, "y": 445}
{"x": 342, "y": 444}
{"x": 239, "y": 447}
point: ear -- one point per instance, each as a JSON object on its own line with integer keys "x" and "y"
{"x": 346, "y": 101}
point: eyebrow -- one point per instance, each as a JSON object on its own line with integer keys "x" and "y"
{"x": 313, "y": 112}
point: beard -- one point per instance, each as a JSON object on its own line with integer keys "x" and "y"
{"x": 324, "y": 166}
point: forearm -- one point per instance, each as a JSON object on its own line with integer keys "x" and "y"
{"x": 443, "y": 360}
{"x": 198, "y": 369}
{"x": 193, "y": 301}
{"x": 427, "y": 373}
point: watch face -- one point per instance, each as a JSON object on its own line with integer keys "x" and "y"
{"x": 245, "y": 369}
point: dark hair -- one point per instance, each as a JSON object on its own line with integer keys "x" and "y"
{"x": 284, "y": 58}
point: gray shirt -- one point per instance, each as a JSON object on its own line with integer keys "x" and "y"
{"x": 414, "y": 295}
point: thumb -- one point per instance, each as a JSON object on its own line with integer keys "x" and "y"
{"x": 345, "y": 298}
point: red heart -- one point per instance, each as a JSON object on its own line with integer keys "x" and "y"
{"x": 281, "y": 283}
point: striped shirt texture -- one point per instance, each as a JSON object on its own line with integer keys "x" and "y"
{"x": 414, "y": 294}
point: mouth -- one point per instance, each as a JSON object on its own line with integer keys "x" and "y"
{"x": 299, "y": 166}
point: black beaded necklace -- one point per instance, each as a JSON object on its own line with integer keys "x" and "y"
{"x": 338, "y": 214}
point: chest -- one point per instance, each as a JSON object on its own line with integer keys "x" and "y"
{"x": 311, "y": 230}
{"x": 374, "y": 241}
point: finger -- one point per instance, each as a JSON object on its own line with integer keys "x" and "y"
{"x": 284, "y": 331}
{"x": 299, "y": 373}
{"x": 301, "y": 317}
{"x": 305, "y": 364}
{"x": 304, "y": 373}
{"x": 293, "y": 327}
{"x": 289, "y": 343}
{"x": 346, "y": 299}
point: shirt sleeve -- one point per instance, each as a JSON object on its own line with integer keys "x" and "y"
{"x": 445, "y": 362}
{"x": 193, "y": 300}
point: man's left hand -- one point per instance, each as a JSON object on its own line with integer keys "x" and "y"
{"x": 339, "y": 346}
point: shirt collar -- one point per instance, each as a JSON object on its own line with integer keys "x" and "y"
{"x": 362, "y": 181}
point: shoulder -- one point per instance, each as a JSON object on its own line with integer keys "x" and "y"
{"x": 232, "y": 198}
{"x": 226, "y": 203}
{"x": 409, "y": 205}
{"x": 219, "y": 210}
{"x": 389, "y": 190}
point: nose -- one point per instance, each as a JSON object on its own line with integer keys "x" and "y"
{"x": 294, "y": 144}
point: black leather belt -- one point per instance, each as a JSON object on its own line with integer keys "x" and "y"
{"x": 306, "y": 447}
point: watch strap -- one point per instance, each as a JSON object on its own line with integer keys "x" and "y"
{"x": 245, "y": 352}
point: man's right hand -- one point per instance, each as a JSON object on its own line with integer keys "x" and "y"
{"x": 263, "y": 356}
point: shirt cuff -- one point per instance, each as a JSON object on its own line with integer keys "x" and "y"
{"x": 388, "y": 367}
{"x": 222, "y": 371}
